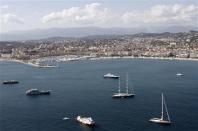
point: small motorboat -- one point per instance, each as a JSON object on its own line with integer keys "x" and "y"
{"x": 66, "y": 118}
{"x": 109, "y": 75}
{"x": 179, "y": 74}
{"x": 10, "y": 82}
{"x": 37, "y": 92}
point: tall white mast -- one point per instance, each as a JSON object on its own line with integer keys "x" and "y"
{"x": 127, "y": 85}
{"x": 162, "y": 115}
{"x": 166, "y": 111}
{"x": 119, "y": 86}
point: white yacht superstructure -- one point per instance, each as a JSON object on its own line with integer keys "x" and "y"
{"x": 85, "y": 120}
{"x": 109, "y": 75}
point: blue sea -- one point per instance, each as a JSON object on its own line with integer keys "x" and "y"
{"x": 78, "y": 88}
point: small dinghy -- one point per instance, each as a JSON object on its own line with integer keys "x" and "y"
{"x": 66, "y": 118}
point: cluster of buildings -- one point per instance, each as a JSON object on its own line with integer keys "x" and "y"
{"x": 178, "y": 45}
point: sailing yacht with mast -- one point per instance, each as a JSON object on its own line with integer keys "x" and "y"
{"x": 123, "y": 95}
{"x": 162, "y": 120}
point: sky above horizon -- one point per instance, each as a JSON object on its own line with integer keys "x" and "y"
{"x": 33, "y": 14}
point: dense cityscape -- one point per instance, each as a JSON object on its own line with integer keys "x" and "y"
{"x": 176, "y": 45}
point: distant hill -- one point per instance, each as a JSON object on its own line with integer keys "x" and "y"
{"x": 60, "y": 33}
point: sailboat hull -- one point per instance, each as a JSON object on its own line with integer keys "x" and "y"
{"x": 159, "y": 121}
{"x": 123, "y": 95}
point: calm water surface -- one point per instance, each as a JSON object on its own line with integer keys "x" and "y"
{"x": 78, "y": 88}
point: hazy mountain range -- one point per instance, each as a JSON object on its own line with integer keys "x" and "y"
{"x": 85, "y": 31}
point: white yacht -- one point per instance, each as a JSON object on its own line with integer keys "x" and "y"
{"x": 86, "y": 120}
{"x": 162, "y": 120}
{"x": 37, "y": 92}
{"x": 179, "y": 74}
{"x": 124, "y": 94}
{"x": 109, "y": 75}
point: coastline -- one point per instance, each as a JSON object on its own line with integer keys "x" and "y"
{"x": 31, "y": 63}
{"x": 27, "y": 62}
{"x": 157, "y": 58}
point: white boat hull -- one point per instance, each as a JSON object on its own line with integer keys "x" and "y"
{"x": 122, "y": 95}
{"x": 66, "y": 118}
{"x": 159, "y": 121}
{"x": 37, "y": 92}
{"x": 112, "y": 77}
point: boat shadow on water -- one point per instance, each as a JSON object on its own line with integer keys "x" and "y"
{"x": 88, "y": 128}
{"x": 38, "y": 96}
{"x": 165, "y": 126}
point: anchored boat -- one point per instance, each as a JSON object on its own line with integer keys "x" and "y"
{"x": 10, "y": 82}
{"x": 162, "y": 120}
{"x": 179, "y": 74}
{"x": 37, "y": 92}
{"x": 86, "y": 120}
{"x": 124, "y": 94}
{"x": 66, "y": 118}
{"x": 109, "y": 75}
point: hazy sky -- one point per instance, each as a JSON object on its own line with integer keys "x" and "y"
{"x": 31, "y": 14}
